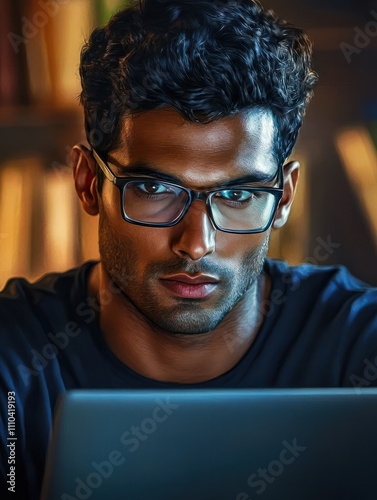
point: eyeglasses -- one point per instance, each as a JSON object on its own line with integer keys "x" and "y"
{"x": 148, "y": 201}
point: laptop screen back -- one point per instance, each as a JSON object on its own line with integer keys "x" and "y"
{"x": 214, "y": 445}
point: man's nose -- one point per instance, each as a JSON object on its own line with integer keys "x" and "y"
{"x": 195, "y": 234}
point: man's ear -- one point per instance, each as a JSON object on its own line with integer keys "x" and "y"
{"x": 291, "y": 174}
{"x": 84, "y": 173}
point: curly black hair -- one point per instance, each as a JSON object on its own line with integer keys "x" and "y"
{"x": 205, "y": 59}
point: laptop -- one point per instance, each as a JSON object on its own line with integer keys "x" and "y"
{"x": 300, "y": 444}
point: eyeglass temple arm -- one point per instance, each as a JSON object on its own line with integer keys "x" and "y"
{"x": 105, "y": 169}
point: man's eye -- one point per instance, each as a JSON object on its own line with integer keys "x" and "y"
{"x": 153, "y": 188}
{"x": 239, "y": 195}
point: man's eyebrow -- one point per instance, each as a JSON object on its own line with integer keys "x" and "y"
{"x": 145, "y": 169}
{"x": 142, "y": 169}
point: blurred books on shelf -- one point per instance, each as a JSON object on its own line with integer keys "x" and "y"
{"x": 59, "y": 221}
{"x": 40, "y": 50}
{"x": 38, "y": 64}
{"x": 359, "y": 157}
{"x": 56, "y": 49}
{"x": 42, "y": 226}
{"x": 41, "y": 46}
{"x": 13, "y": 71}
{"x": 66, "y": 34}
{"x": 53, "y": 55}
{"x": 17, "y": 197}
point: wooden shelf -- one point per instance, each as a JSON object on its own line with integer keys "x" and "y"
{"x": 40, "y": 131}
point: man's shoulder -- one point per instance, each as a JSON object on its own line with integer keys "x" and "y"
{"x": 323, "y": 296}
{"x": 36, "y": 321}
{"x": 329, "y": 319}
{"x": 18, "y": 290}
{"x": 24, "y": 303}
{"x": 309, "y": 277}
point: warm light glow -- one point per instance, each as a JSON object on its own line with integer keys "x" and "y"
{"x": 60, "y": 221}
{"x": 71, "y": 28}
{"x": 359, "y": 156}
{"x": 16, "y": 207}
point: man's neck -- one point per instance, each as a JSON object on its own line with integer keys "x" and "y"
{"x": 168, "y": 357}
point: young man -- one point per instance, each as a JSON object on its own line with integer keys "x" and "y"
{"x": 192, "y": 109}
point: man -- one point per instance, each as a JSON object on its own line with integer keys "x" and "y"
{"x": 192, "y": 109}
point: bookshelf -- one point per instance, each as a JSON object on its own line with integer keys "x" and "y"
{"x": 33, "y": 130}
{"x": 42, "y": 227}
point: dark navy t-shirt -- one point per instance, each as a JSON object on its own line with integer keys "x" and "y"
{"x": 319, "y": 330}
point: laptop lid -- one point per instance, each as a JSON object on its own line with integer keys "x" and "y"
{"x": 214, "y": 445}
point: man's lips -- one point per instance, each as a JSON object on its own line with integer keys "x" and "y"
{"x": 196, "y": 286}
{"x": 191, "y": 279}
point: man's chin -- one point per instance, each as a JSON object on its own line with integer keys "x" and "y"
{"x": 184, "y": 320}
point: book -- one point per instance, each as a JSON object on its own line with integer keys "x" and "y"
{"x": 39, "y": 15}
{"x": 13, "y": 72}
{"x": 359, "y": 158}
{"x": 59, "y": 222}
{"x": 66, "y": 34}
{"x": 42, "y": 226}
{"x": 17, "y": 198}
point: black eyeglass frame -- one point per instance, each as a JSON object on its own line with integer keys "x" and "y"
{"x": 121, "y": 182}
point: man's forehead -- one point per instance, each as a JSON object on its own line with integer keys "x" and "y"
{"x": 252, "y": 124}
{"x": 244, "y": 141}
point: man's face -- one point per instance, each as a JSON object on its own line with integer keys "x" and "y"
{"x": 186, "y": 278}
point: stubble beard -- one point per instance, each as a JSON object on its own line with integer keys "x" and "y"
{"x": 188, "y": 316}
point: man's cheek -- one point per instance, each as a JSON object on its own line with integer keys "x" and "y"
{"x": 237, "y": 246}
